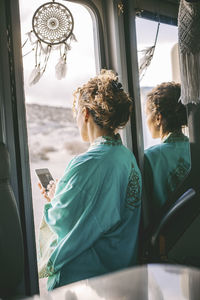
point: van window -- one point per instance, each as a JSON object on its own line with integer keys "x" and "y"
{"x": 164, "y": 64}
{"x": 53, "y": 135}
{"x": 164, "y": 118}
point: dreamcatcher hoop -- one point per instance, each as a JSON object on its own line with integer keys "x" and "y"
{"x": 53, "y": 23}
{"x": 52, "y": 29}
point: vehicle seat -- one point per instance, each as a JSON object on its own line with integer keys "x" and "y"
{"x": 175, "y": 237}
{"x": 11, "y": 241}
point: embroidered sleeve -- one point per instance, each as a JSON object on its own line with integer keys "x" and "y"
{"x": 133, "y": 193}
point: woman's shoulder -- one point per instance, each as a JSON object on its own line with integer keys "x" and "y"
{"x": 102, "y": 156}
{"x": 154, "y": 149}
{"x": 82, "y": 160}
{"x": 79, "y": 169}
{"x": 153, "y": 153}
{"x": 169, "y": 144}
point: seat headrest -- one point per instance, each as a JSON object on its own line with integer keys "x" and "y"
{"x": 4, "y": 162}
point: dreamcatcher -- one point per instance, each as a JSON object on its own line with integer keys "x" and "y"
{"x": 52, "y": 29}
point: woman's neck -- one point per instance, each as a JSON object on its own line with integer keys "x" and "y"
{"x": 167, "y": 134}
{"x": 94, "y": 131}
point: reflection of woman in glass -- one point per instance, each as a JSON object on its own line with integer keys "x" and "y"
{"x": 166, "y": 164}
{"x": 95, "y": 211}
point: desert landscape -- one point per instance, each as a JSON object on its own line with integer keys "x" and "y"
{"x": 53, "y": 139}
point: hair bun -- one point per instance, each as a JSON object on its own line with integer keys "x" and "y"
{"x": 109, "y": 105}
{"x": 164, "y": 99}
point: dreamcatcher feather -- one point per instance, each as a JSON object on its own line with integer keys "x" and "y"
{"x": 147, "y": 57}
{"x": 52, "y": 29}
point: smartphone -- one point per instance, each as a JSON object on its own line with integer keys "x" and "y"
{"x": 44, "y": 176}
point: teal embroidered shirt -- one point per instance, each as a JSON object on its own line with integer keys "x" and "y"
{"x": 165, "y": 166}
{"x": 95, "y": 213}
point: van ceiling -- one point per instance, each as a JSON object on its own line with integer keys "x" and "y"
{"x": 168, "y": 8}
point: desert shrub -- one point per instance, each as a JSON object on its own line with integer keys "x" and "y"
{"x": 76, "y": 147}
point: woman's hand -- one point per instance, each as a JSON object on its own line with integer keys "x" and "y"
{"x": 51, "y": 187}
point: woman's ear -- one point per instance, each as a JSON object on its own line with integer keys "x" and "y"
{"x": 158, "y": 119}
{"x": 86, "y": 113}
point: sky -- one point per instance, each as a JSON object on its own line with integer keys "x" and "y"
{"x": 160, "y": 69}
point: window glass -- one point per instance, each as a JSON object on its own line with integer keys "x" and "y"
{"x": 161, "y": 68}
{"x": 166, "y": 144}
{"x": 53, "y": 135}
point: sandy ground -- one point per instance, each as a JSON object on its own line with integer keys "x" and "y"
{"x": 54, "y": 140}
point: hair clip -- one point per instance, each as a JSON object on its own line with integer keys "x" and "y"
{"x": 116, "y": 85}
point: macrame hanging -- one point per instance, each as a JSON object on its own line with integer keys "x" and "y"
{"x": 189, "y": 50}
{"x": 52, "y": 29}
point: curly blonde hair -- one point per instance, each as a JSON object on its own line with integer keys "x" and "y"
{"x": 109, "y": 105}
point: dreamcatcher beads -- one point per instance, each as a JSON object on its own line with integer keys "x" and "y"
{"x": 53, "y": 26}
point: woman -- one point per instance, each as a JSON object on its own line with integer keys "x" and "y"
{"x": 166, "y": 164}
{"x": 95, "y": 211}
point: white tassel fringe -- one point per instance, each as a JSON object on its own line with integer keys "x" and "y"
{"x": 190, "y": 78}
{"x": 35, "y": 75}
{"x": 61, "y": 68}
